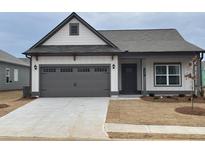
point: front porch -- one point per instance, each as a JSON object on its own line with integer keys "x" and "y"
{"x": 130, "y": 76}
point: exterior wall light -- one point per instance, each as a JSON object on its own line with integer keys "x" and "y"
{"x": 113, "y": 66}
{"x": 35, "y": 67}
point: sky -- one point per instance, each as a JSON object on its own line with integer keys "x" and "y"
{"x": 19, "y": 31}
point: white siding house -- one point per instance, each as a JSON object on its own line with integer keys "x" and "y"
{"x": 75, "y": 59}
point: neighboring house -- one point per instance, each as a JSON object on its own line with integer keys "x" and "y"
{"x": 14, "y": 73}
{"x": 74, "y": 59}
{"x": 203, "y": 73}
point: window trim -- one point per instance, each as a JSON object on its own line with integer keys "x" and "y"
{"x": 167, "y": 74}
{"x": 16, "y": 75}
{"x": 74, "y": 24}
{"x": 8, "y": 75}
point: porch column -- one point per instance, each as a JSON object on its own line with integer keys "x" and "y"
{"x": 114, "y": 76}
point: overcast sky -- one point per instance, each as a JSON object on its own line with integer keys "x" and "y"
{"x": 19, "y": 31}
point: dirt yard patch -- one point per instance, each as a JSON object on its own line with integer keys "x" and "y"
{"x": 11, "y": 100}
{"x": 141, "y": 112}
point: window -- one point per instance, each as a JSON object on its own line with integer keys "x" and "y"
{"x": 66, "y": 69}
{"x": 49, "y": 70}
{"x": 100, "y": 69}
{"x": 8, "y": 75}
{"x": 74, "y": 29}
{"x": 83, "y": 69}
{"x": 167, "y": 75}
{"x": 16, "y": 75}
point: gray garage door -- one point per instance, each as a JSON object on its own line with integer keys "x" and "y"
{"x": 63, "y": 81}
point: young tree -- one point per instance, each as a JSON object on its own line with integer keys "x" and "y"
{"x": 193, "y": 76}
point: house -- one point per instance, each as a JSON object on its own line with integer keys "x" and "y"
{"x": 14, "y": 73}
{"x": 74, "y": 59}
{"x": 203, "y": 73}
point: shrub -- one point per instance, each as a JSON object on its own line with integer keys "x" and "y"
{"x": 181, "y": 95}
{"x": 151, "y": 94}
{"x": 156, "y": 97}
{"x": 194, "y": 96}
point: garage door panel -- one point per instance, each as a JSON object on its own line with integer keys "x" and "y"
{"x": 62, "y": 81}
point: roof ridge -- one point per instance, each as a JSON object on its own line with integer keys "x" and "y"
{"x": 138, "y": 29}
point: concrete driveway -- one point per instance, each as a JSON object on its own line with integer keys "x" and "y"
{"x": 58, "y": 118}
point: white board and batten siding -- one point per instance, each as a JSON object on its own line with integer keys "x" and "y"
{"x": 85, "y": 37}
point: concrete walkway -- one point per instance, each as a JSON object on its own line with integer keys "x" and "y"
{"x": 58, "y": 118}
{"x": 161, "y": 129}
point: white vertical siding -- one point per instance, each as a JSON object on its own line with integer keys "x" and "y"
{"x": 79, "y": 60}
{"x": 85, "y": 37}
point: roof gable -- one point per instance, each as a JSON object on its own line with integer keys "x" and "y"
{"x": 71, "y": 17}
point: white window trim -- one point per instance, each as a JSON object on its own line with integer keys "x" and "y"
{"x": 16, "y": 75}
{"x": 167, "y": 75}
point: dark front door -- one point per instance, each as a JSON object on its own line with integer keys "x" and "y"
{"x": 129, "y": 78}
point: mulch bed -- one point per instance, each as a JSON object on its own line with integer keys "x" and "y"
{"x": 188, "y": 110}
{"x": 3, "y": 106}
{"x": 174, "y": 99}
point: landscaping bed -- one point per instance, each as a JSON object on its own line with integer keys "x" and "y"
{"x": 174, "y": 99}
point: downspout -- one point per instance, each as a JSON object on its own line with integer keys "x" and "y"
{"x": 30, "y": 72}
{"x": 201, "y": 57}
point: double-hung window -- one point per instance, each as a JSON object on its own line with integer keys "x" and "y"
{"x": 167, "y": 74}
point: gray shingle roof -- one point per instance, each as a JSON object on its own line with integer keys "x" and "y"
{"x": 153, "y": 40}
{"x": 74, "y": 49}
{"x": 26, "y": 60}
{"x": 5, "y": 57}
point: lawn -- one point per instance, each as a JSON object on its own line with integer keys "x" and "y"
{"x": 140, "y": 112}
{"x": 12, "y": 99}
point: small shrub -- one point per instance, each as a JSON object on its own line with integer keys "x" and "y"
{"x": 194, "y": 96}
{"x": 151, "y": 94}
{"x": 169, "y": 96}
{"x": 181, "y": 95}
{"x": 4, "y": 105}
{"x": 156, "y": 97}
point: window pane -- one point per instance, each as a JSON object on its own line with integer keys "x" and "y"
{"x": 161, "y": 80}
{"x": 74, "y": 28}
{"x": 173, "y": 69}
{"x": 7, "y": 79}
{"x": 174, "y": 80}
{"x": 161, "y": 70}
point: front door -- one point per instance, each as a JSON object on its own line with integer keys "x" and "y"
{"x": 129, "y": 78}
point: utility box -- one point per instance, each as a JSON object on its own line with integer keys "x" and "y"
{"x": 26, "y": 91}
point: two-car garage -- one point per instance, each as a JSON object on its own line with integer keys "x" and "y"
{"x": 74, "y": 80}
